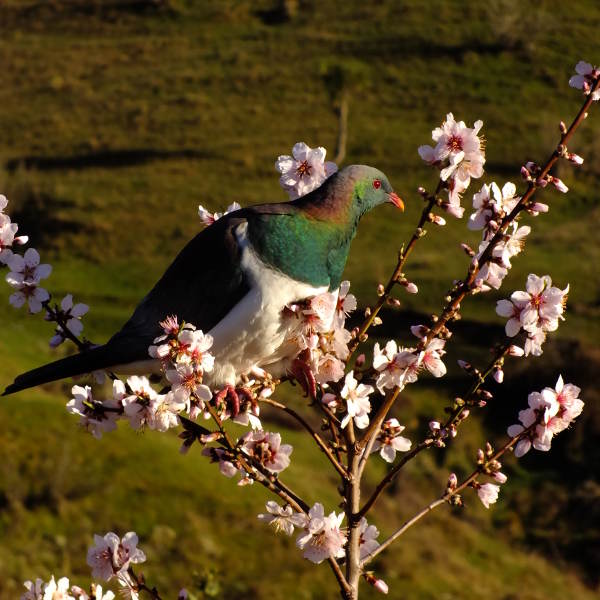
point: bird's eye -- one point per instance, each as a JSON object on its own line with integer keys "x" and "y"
{"x": 376, "y": 184}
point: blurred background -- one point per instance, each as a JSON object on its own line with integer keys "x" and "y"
{"x": 120, "y": 116}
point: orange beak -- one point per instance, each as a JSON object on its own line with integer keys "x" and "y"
{"x": 396, "y": 200}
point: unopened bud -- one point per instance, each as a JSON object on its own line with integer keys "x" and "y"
{"x": 541, "y": 182}
{"x": 422, "y": 192}
{"x": 538, "y": 207}
{"x": 419, "y": 330}
{"x": 515, "y": 350}
{"x": 207, "y": 438}
{"x": 183, "y": 594}
{"x": 379, "y": 584}
{"x": 380, "y": 289}
{"x": 437, "y": 220}
{"x": 411, "y": 288}
{"x": 360, "y": 360}
{"x": 499, "y": 477}
{"x": 394, "y": 302}
{"x": 562, "y": 127}
{"x": 480, "y": 457}
{"x": 377, "y": 321}
{"x": 488, "y": 449}
{"x": 368, "y": 311}
{"x": 452, "y": 481}
{"x": 525, "y": 174}
{"x": 494, "y": 465}
{"x": 434, "y": 426}
{"x": 558, "y": 184}
{"x": 363, "y": 337}
{"x": 485, "y": 394}
{"x": 464, "y": 414}
{"x": 499, "y": 375}
{"x": 574, "y": 158}
{"x": 452, "y": 431}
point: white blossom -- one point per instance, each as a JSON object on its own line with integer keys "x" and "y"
{"x": 282, "y": 518}
{"x": 357, "y": 401}
{"x": 586, "y": 76}
{"x": 488, "y": 493}
{"x": 368, "y": 538}
{"x": 389, "y": 441}
{"x": 96, "y": 417}
{"x": 322, "y": 537}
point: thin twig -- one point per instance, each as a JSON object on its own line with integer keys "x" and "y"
{"x": 446, "y": 497}
{"x": 320, "y": 442}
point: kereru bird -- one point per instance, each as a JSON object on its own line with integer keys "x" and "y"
{"x": 234, "y": 279}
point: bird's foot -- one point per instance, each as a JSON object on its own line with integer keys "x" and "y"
{"x": 304, "y": 376}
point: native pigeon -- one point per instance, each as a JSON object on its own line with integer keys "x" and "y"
{"x": 234, "y": 279}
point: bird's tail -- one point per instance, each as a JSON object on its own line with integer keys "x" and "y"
{"x": 77, "y": 364}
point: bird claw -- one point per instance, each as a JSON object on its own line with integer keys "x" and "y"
{"x": 305, "y": 377}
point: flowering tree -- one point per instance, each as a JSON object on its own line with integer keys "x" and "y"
{"x": 352, "y": 395}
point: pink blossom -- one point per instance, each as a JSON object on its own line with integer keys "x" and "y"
{"x": 322, "y": 537}
{"x": 282, "y": 518}
{"x": 305, "y": 170}
{"x": 368, "y": 538}
{"x": 488, "y": 493}
{"x": 431, "y": 357}
{"x": 72, "y": 314}
{"x": 35, "y": 589}
{"x": 25, "y": 274}
{"x": 491, "y": 203}
{"x": 396, "y": 366}
{"x": 346, "y": 303}
{"x": 586, "y": 76}
{"x": 389, "y": 441}
{"x": 267, "y": 449}
{"x": 111, "y": 556}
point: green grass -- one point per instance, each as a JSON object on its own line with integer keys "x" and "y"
{"x": 210, "y": 94}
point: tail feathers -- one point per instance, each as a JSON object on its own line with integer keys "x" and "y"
{"x": 77, "y": 364}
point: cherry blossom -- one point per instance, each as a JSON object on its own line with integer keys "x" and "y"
{"x": 140, "y": 405}
{"x": 488, "y": 493}
{"x": 357, "y": 401}
{"x": 305, "y": 170}
{"x": 346, "y": 303}
{"x": 112, "y": 556}
{"x": 396, "y": 366}
{"x": 267, "y": 449}
{"x": 209, "y": 218}
{"x": 224, "y": 458}
{"x": 322, "y": 537}
{"x": 431, "y": 357}
{"x": 459, "y": 154}
{"x": 35, "y": 589}
{"x": 491, "y": 204}
{"x": 282, "y": 518}
{"x": 368, "y": 538}
{"x": 96, "y": 417}
{"x": 551, "y": 411}
{"x": 586, "y": 76}
{"x": 186, "y": 380}
{"x": 389, "y": 441}
{"x": 25, "y": 274}
{"x": 72, "y": 314}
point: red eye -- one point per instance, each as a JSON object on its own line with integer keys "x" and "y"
{"x": 376, "y": 184}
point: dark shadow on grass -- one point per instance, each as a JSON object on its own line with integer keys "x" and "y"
{"x": 103, "y": 158}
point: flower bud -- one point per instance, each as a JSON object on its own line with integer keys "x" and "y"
{"x": 437, "y": 220}
{"x": 562, "y": 127}
{"x": 499, "y": 477}
{"x": 488, "y": 449}
{"x": 380, "y": 289}
{"x": 541, "y": 182}
{"x": 452, "y": 481}
{"x": 499, "y": 375}
{"x": 558, "y": 184}
{"x": 574, "y": 158}
{"x": 480, "y": 457}
{"x": 515, "y": 350}
{"x": 467, "y": 249}
{"x": 377, "y": 321}
{"x": 411, "y": 288}
{"x": 360, "y": 361}
{"x": 466, "y": 366}
{"x": 525, "y": 174}
{"x": 422, "y": 191}
{"x": 434, "y": 426}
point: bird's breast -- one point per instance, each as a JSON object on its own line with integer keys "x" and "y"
{"x": 254, "y": 331}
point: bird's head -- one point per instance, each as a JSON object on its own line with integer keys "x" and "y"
{"x": 370, "y": 188}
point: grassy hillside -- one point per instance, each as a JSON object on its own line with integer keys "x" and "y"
{"x": 120, "y": 116}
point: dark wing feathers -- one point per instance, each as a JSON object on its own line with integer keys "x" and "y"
{"x": 201, "y": 286}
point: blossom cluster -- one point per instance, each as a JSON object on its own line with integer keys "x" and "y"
{"x": 550, "y": 412}
{"x": 398, "y": 366}
{"x": 208, "y": 218}
{"x": 537, "y": 311}
{"x": 317, "y": 332}
{"x": 321, "y": 537}
{"x": 62, "y": 590}
{"x": 459, "y": 154}
{"x": 303, "y": 171}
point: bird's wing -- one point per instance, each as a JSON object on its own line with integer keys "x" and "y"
{"x": 201, "y": 286}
